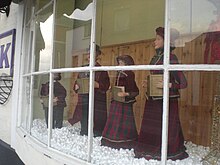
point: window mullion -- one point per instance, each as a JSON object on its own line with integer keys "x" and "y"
{"x": 29, "y": 37}
{"x": 31, "y": 41}
{"x": 92, "y": 78}
{"x": 31, "y": 107}
{"x": 165, "y": 116}
{"x": 33, "y": 27}
{"x": 50, "y": 115}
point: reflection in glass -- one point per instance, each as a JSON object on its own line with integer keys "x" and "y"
{"x": 128, "y": 28}
{"x": 199, "y": 31}
{"x": 39, "y": 4}
{"x": 43, "y": 39}
{"x": 83, "y": 15}
{"x": 71, "y": 36}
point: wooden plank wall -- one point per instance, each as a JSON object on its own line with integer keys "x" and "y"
{"x": 196, "y": 103}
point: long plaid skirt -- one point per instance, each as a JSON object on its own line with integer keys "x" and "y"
{"x": 120, "y": 129}
{"x": 149, "y": 140}
{"x": 81, "y": 113}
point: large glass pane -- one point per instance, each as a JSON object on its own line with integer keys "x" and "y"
{"x": 71, "y": 108}
{"x": 199, "y": 116}
{"x": 125, "y": 109}
{"x": 43, "y": 39}
{"x": 126, "y": 34}
{"x": 197, "y": 22}
{"x": 72, "y": 137}
{"x": 40, "y": 103}
{"x": 128, "y": 27}
{"x": 71, "y": 34}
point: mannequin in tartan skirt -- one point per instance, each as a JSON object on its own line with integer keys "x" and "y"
{"x": 120, "y": 129}
{"x": 101, "y": 85}
{"x": 150, "y": 137}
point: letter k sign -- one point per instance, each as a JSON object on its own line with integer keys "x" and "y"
{"x": 4, "y": 55}
{"x": 7, "y": 51}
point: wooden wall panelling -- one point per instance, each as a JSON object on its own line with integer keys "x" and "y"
{"x": 206, "y": 105}
{"x": 196, "y": 100}
{"x": 73, "y": 96}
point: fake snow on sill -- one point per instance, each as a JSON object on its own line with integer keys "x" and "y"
{"x": 68, "y": 140}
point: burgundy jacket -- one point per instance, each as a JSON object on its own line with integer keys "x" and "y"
{"x": 177, "y": 78}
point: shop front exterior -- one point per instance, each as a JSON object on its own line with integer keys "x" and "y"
{"x": 113, "y": 81}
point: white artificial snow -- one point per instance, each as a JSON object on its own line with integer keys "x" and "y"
{"x": 68, "y": 140}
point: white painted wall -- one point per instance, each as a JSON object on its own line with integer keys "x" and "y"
{"x": 7, "y": 23}
{"x": 10, "y": 22}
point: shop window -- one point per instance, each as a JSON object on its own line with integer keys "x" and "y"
{"x": 115, "y": 111}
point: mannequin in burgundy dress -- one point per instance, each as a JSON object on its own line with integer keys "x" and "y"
{"x": 150, "y": 137}
{"x": 101, "y": 84}
{"x": 120, "y": 129}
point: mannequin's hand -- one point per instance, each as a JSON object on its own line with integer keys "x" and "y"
{"x": 160, "y": 84}
{"x": 96, "y": 84}
{"x": 76, "y": 87}
{"x": 55, "y": 99}
{"x": 123, "y": 94}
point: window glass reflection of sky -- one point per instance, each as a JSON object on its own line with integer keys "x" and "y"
{"x": 193, "y": 16}
{"x": 45, "y": 54}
